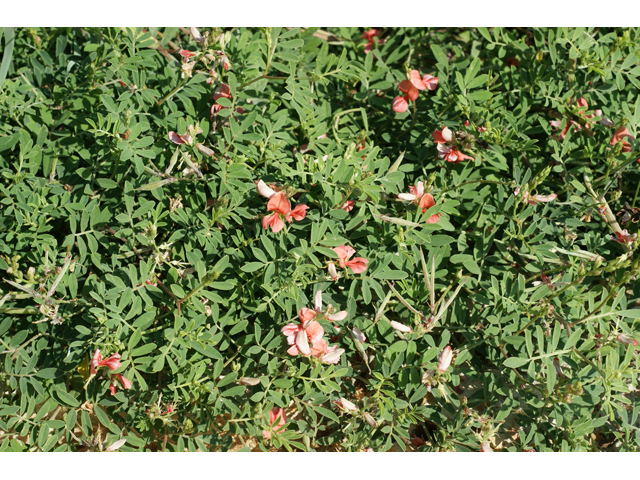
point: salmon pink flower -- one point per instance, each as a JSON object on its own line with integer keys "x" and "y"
{"x": 443, "y": 136}
{"x": 619, "y": 136}
{"x": 358, "y": 335}
{"x": 369, "y": 35}
{"x": 299, "y": 336}
{"x": 126, "y": 384}
{"x": 430, "y": 82}
{"x": 345, "y": 252}
{"x": 542, "y": 198}
{"x": 482, "y": 129}
{"x": 423, "y": 200}
{"x": 112, "y": 362}
{"x": 186, "y": 138}
{"x": 333, "y": 355}
{"x": 451, "y": 154}
{"x": 345, "y": 404}
{"x": 416, "y": 80}
{"x": 348, "y": 205}
{"x": 274, "y": 414}
{"x": 298, "y": 213}
{"x": 280, "y": 205}
{"x": 406, "y": 86}
{"x": 444, "y": 359}
{"x": 399, "y": 104}
{"x": 222, "y": 91}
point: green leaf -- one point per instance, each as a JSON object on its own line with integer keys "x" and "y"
{"x": 9, "y": 41}
{"x": 515, "y": 362}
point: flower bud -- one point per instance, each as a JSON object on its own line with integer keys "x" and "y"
{"x": 444, "y": 359}
{"x": 369, "y": 419}
{"x": 336, "y": 317}
{"x": 400, "y": 327}
{"x": 333, "y": 357}
{"x": 333, "y": 273}
{"x": 264, "y": 190}
{"x": 196, "y": 34}
{"x": 347, "y": 405}
{"x": 249, "y": 381}
{"x": 486, "y": 447}
{"x": 627, "y": 340}
{"x": 358, "y": 335}
{"x": 204, "y": 150}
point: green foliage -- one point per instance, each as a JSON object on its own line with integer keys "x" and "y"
{"x": 113, "y": 237}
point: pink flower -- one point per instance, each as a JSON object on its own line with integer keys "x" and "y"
{"x": 357, "y": 265}
{"x": 430, "y": 82}
{"x": 226, "y": 64}
{"x": 400, "y": 327}
{"x": 186, "y": 138}
{"x": 451, "y": 154}
{"x": 299, "y": 336}
{"x": 126, "y": 384}
{"x": 482, "y": 129}
{"x": 466, "y": 123}
{"x": 400, "y": 104}
{"x": 406, "y": 86}
{"x": 423, "y": 200}
{"x": 369, "y": 35}
{"x": 274, "y": 414}
{"x": 443, "y": 136}
{"x": 444, "y": 359}
{"x": 112, "y": 362}
{"x": 332, "y": 356}
{"x": 204, "y": 150}
{"x": 619, "y": 136}
{"x": 624, "y": 237}
{"x": 280, "y": 205}
{"x": 627, "y": 340}
{"x": 222, "y": 91}
{"x": 348, "y": 205}
{"x": 370, "y": 420}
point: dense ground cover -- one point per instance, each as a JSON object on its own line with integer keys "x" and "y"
{"x": 339, "y": 239}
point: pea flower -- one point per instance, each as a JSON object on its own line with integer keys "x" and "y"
{"x": 264, "y": 190}
{"x": 126, "y": 384}
{"x": 369, "y": 35}
{"x": 275, "y": 414}
{"x": 444, "y": 359}
{"x": 449, "y": 152}
{"x": 582, "y": 106}
{"x": 423, "y": 200}
{"x": 187, "y": 138}
{"x": 112, "y": 362}
{"x": 345, "y": 404}
{"x": 619, "y": 136}
{"x": 195, "y": 34}
{"x": 345, "y": 252}
{"x": 186, "y": 54}
{"x": 348, "y": 205}
{"x": 333, "y": 273}
{"x": 281, "y": 207}
{"x": 358, "y": 335}
{"x": 222, "y": 91}
{"x": 299, "y": 335}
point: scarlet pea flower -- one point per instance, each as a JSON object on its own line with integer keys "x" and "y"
{"x": 408, "y": 87}
{"x": 619, "y": 136}
{"x": 482, "y": 129}
{"x": 345, "y": 252}
{"x": 333, "y": 273}
{"x": 451, "y": 154}
{"x": 369, "y": 35}
{"x": 443, "y": 136}
{"x": 423, "y": 200}
{"x": 345, "y": 404}
{"x": 275, "y": 414}
{"x": 430, "y": 82}
{"x": 186, "y": 138}
{"x": 466, "y": 123}
{"x": 126, "y": 384}
{"x": 444, "y": 359}
{"x": 112, "y": 362}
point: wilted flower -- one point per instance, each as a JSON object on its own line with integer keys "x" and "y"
{"x": 187, "y": 137}
{"x": 357, "y": 265}
{"x": 400, "y": 326}
{"x": 116, "y": 445}
{"x": 627, "y": 340}
{"x": 444, "y": 359}
{"x": 370, "y": 420}
{"x": 264, "y": 190}
{"x": 624, "y": 237}
{"x": 274, "y": 414}
{"x": 333, "y": 273}
{"x": 186, "y": 54}
{"x": 249, "y": 381}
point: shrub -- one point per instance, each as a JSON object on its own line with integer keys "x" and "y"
{"x": 319, "y": 240}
